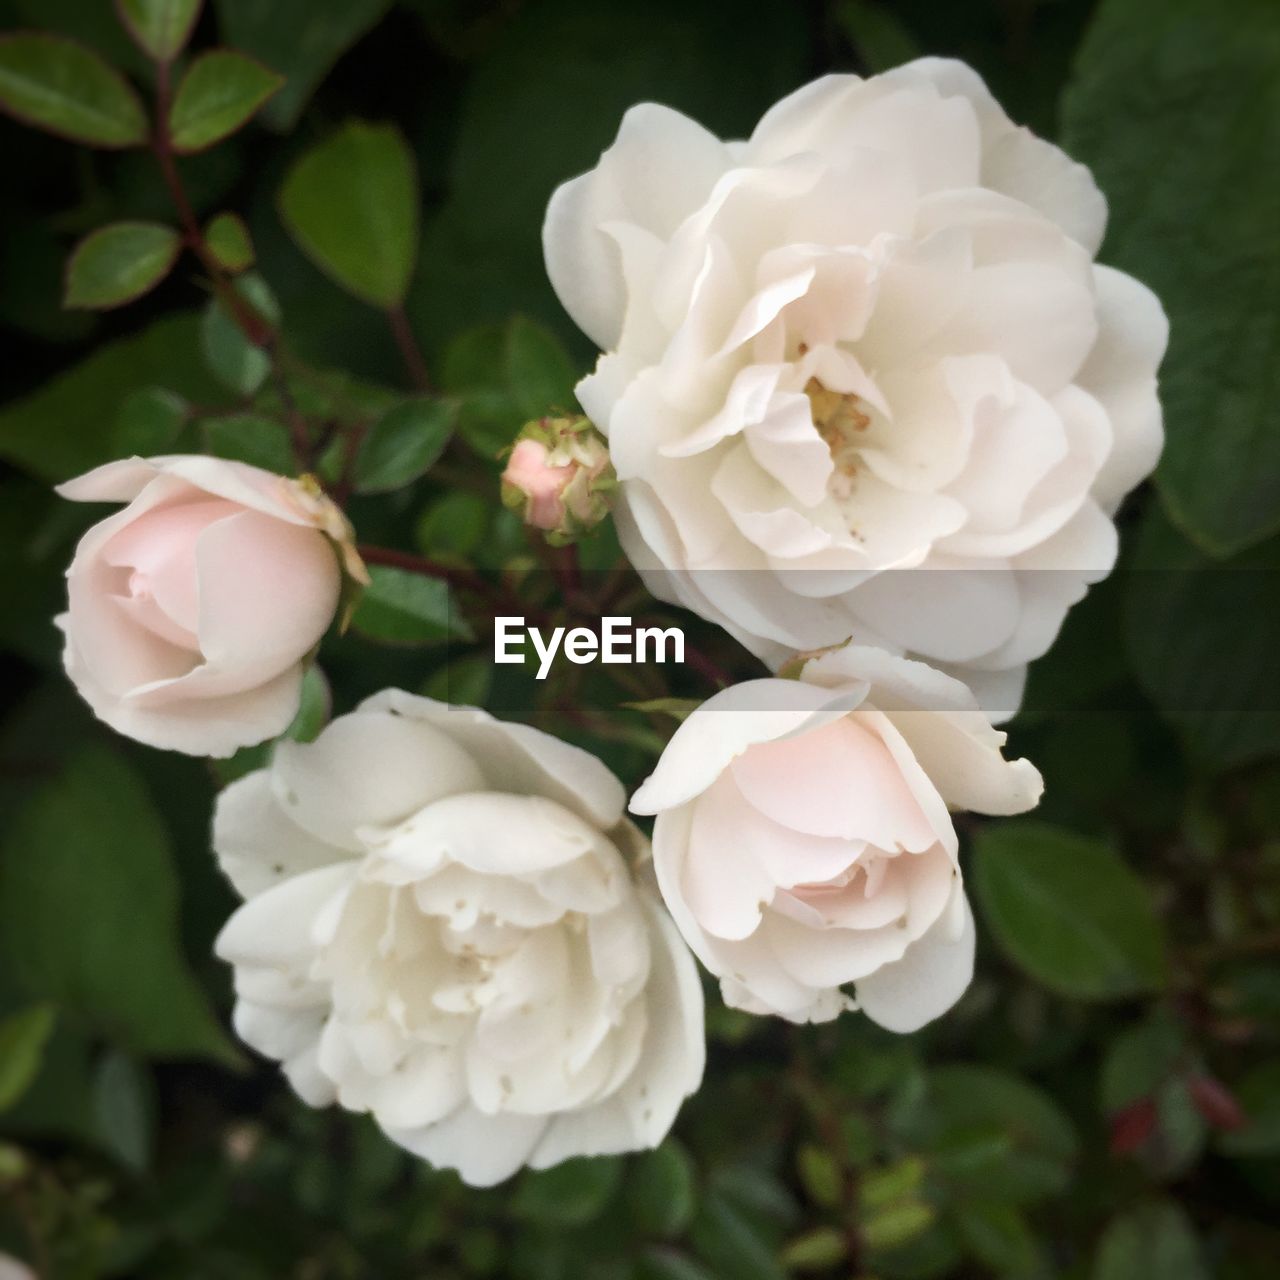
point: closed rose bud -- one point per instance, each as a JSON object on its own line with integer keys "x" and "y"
{"x": 193, "y": 612}
{"x": 559, "y": 478}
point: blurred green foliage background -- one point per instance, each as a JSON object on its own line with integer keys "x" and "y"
{"x": 1105, "y": 1101}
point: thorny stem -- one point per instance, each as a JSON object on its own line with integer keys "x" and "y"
{"x": 254, "y": 327}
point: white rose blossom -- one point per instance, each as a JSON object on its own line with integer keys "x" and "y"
{"x": 441, "y": 928}
{"x": 804, "y": 842}
{"x": 871, "y": 337}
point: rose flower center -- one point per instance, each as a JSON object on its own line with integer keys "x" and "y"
{"x": 840, "y": 423}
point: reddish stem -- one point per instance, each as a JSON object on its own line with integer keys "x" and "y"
{"x": 410, "y": 352}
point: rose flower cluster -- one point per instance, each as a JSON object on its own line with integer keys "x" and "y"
{"x": 870, "y": 406}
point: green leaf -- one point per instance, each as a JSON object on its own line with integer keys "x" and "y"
{"x": 218, "y": 95}
{"x": 661, "y": 1192}
{"x": 896, "y": 1225}
{"x": 124, "y": 1107}
{"x": 148, "y": 422}
{"x": 816, "y": 1250}
{"x": 22, "y": 1039}
{"x": 62, "y": 86}
{"x": 1068, "y": 911}
{"x": 463, "y": 682}
{"x": 568, "y": 1195}
{"x": 89, "y": 911}
{"x": 527, "y": 97}
{"x": 118, "y": 263}
{"x": 539, "y": 373}
{"x": 728, "y": 1241}
{"x": 896, "y": 1182}
{"x": 302, "y": 38}
{"x": 877, "y": 33}
{"x": 62, "y": 428}
{"x": 403, "y": 444}
{"x": 998, "y": 1235}
{"x": 1201, "y": 636}
{"x": 160, "y": 27}
{"x": 665, "y": 1264}
{"x": 228, "y": 240}
{"x": 1174, "y": 102}
{"x": 679, "y": 709}
{"x": 315, "y": 706}
{"x": 236, "y": 361}
{"x": 820, "y": 1175}
{"x": 249, "y": 437}
{"x": 351, "y": 203}
{"x": 399, "y": 607}
{"x": 1259, "y": 1097}
{"x": 1141, "y": 1060}
{"x": 992, "y": 1135}
{"x": 1155, "y": 1239}
{"x": 453, "y": 524}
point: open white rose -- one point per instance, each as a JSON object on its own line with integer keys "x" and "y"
{"x": 804, "y": 841}
{"x": 441, "y": 929}
{"x": 872, "y": 337}
{"x": 191, "y": 613}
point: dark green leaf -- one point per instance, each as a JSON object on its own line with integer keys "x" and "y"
{"x": 161, "y": 27}
{"x": 1141, "y": 1059}
{"x": 315, "y": 706}
{"x": 1259, "y": 1096}
{"x": 218, "y": 95}
{"x": 228, "y": 240}
{"x": 993, "y": 1135}
{"x": 248, "y": 437}
{"x": 454, "y": 524}
{"x": 399, "y": 607}
{"x": 61, "y": 86}
{"x": 63, "y": 428}
{"x": 661, "y": 1192}
{"x": 118, "y": 263}
{"x": 1175, "y": 102}
{"x": 877, "y": 33}
{"x": 539, "y": 373}
{"x": 666, "y": 1264}
{"x": 351, "y": 203}
{"x": 22, "y": 1039}
{"x": 1068, "y": 910}
{"x": 569, "y": 1194}
{"x": 124, "y": 1107}
{"x": 237, "y": 362}
{"x": 998, "y": 1235}
{"x": 464, "y": 682}
{"x": 1156, "y": 1239}
{"x": 302, "y": 38}
{"x": 88, "y": 912}
{"x": 403, "y": 444}
{"x": 527, "y": 97}
{"x": 728, "y": 1241}
{"x": 1202, "y": 636}
{"x": 148, "y": 422}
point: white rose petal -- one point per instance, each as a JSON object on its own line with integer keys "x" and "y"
{"x": 868, "y": 341}
{"x": 443, "y": 929}
{"x": 809, "y": 859}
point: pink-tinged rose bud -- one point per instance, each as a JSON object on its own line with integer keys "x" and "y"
{"x": 194, "y": 611}
{"x": 559, "y": 478}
